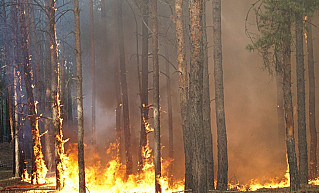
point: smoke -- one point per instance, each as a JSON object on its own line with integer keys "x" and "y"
{"x": 254, "y": 150}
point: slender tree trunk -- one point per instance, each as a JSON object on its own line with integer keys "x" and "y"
{"x": 63, "y": 85}
{"x": 222, "y": 173}
{"x": 14, "y": 22}
{"x": 10, "y": 90}
{"x": 196, "y": 98}
{"x": 77, "y": 28}
{"x": 156, "y": 105}
{"x": 170, "y": 119}
{"x": 127, "y": 129}
{"x": 38, "y": 167}
{"x": 280, "y": 108}
{"x": 144, "y": 89}
{"x": 117, "y": 86}
{"x": 55, "y": 97}
{"x": 290, "y": 140}
{"x": 183, "y": 92}
{"x": 301, "y": 106}
{"x": 48, "y": 138}
{"x": 207, "y": 109}
{"x": 313, "y": 172}
{"x": 92, "y": 60}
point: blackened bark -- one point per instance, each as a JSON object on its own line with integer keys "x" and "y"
{"x": 55, "y": 98}
{"x": 10, "y": 91}
{"x": 38, "y": 167}
{"x": 117, "y": 86}
{"x": 170, "y": 118}
{"x": 144, "y": 89}
{"x": 183, "y": 92}
{"x": 92, "y": 60}
{"x": 199, "y": 163}
{"x": 207, "y": 109}
{"x": 313, "y": 170}
{"x": 156, "y": 105}
{"x": 290, "y": 140}
{"x": 78, "y": 59}
{"x": 301, "y": 106}
{"x": 222, "y": 173}
{"x": 126, "y": 117}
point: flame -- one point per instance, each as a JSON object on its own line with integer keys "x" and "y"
{"x": 111, "y": 177}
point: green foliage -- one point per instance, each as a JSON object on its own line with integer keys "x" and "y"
{"x": 273, "y": 21}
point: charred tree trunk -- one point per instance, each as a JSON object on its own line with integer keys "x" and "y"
{"x": 313, "y": 171}
{"x": 280, "y": 107}
{"x": 55, "y": 97}
{"x": 156, "y": 105}
{"x": 222, "y": 173}
{"x": 92, "y": 60}
{"x": 144, "y": 89}
{"x": 16, "y": 74}
{"x": 207, "y": 109}
{"x": 127, "y": 129}
{"x": 78, "y": 58}
{"x": 10, "y": 91}
{"x": 48, "y": 138}
{"x": 183, "y": 92}
{"x": 38, "y": 167}
{"x": 170, "y": 119}
{"x": 117, "y": 86}
{"x": 199, "y": 164}
{"x": 290, "y": 140}
{"x": 301, "y": 106}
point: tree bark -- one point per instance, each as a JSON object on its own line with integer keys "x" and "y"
{"x": 222, "y": 173}
{"x": 313, "y": 171}
{"x": 126, "y": 117}
{"x": 183, "y": 92}
{"x": 38, "y": 167}
{"x": 10, "y": 91}
{"x": 92, "y": 60}
{"x": 289, "y": 120}
{"x": 144, "y": 90}
{"x": 78, "y": 58}
{"x": 55, "y": 97}
{"x": 48, "y": 138}
{"x": 301, "y": 106}
{"x": 117, "y": 86}
{"x": 170, "y": 119}
{"x": 207, "y": 109}
{"x": 199, "y": 164}
{"x": 156, "y": 105}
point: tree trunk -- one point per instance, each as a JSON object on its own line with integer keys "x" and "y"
{"x": 55, "y": 97}
{"x": 144, "y": 89}
{"x": 183, "y": 92}
{"x": 78, "y": 58}
{"x": 196, "y": 98}
{"x": 313, "y": 172}
{"x": 302, "y": 134}
{"x": 117, "y": 86}
{"x": 280, "y": 108}
{"x": 290, "y": 140}
{"x": 48, "y": 138}
{"x": 10, "y": 90}
{"x": 38, "y": 167}
{"x": 207, "y": 109}
{"x": 222, "y": 173}
{"x": 170, "y": 119}
{"x": 126, "y": 117}
{"x": 156, "y": 110}
{"x": 92, "y": 60}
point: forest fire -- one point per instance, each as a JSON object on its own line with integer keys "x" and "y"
{"x": 111, "y": 175}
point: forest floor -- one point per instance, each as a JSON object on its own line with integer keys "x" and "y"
{"x": 9, "y": 183}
